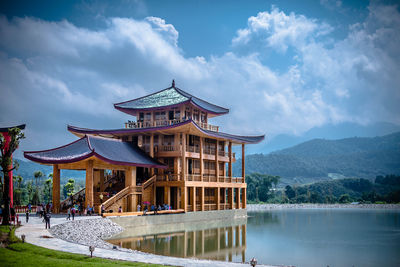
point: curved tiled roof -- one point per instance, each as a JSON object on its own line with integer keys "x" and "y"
{"x": 169, "y": 97}
{"x": 234, "y": 138}
{"x": 109, "y": 150}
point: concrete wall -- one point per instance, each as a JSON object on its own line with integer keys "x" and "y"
{"x": 191, "y": 221}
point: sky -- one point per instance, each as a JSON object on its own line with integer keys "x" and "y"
{"x": 281, "y": 67}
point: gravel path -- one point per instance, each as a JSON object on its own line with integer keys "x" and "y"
{"x": 260, "y": 207}
{"x": 87, "y": 232}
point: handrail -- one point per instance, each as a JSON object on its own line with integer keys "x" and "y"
{"x": 114, "y": 199}
{"x": 149, "y": 182}
{"x": 158, "y": 123}
{"x": 73, "y": 197}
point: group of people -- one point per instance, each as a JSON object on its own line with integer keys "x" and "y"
{"x": 153, "y": 208}
{"x": 75, "y": 208}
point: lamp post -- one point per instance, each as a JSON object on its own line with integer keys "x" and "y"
{"x": 253, "y": 262}
{"x": 23, "y": 238}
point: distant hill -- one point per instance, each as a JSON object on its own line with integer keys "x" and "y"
{"x": 27, "y": 168}
{"x": 321, "y": 159}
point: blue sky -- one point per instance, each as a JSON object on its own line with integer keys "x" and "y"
{"x": 282, "y": 67}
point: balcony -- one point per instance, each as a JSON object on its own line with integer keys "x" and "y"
{"x": 198, "y": 178}
{"x": 162, "y": 123}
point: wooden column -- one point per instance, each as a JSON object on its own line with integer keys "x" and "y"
{"x": 218, "y": 197}
{"x": 230, "y": 160}
{"x": 202, "y": 198}
{"x": 130, "y": 180}
{"x": 167, "y": 195}
{"x": 216, "y": 161}
{"x": 183, "y": 156}
{"x": 184, "y": 198}
{"x": 243, "y": 168}
{"x": 102, "y": 180}
{"x": 194, "y": 198}
{"x": 244, "y": 235}
{"x": 152, "y": 151}
{"x": 89, "y": 183}
{"x": 244, "y": 198}
{"x": 201, "y": 159}
{"x": 56, "y": 189}
{"x": 231, "y": 196}
{"x": 238, "y": 198}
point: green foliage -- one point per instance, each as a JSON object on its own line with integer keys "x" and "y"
{"x": 259, "y": 186}
{"x": 25, "y": 254}
{"x": 48, "y": 186}
{"x": 68, "y": 188}
{"x": 310, "y": 161}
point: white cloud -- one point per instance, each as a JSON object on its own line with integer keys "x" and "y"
{"x": 54, "y": 73}
{"x": 278, "y": 30}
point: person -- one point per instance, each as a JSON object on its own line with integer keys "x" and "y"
{"x": 102, "y": 209}
{"x": 69, "y": 213}
{"x": 101, "y": 197}
{"x": 92, "y": 210}
{"x": 73, "y": 213}
{"x": 27, "y": 215}
{"x": 29, "y": 207}
{"x": 120, "y": 209}
{"x": 88, "y": 209}
{"x": 138, "y": 207}
{"x": 47, "y": 217}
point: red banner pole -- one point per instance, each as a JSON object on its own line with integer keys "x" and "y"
{"x": 7, "y": 138}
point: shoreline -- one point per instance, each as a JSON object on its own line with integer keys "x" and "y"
{"x": 262, "y": 207}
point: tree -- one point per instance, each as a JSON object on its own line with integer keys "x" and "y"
{"x": 68, "y": 188}
{"x": 259, "y": 186}
{"x": 48, "y": 185}
{"x": 38, "y": 175}
{"x": 290, "y": 193}
{"x": 18, "y": 191}
{"x": 345, "y": 198}
{"x": 5, "y": 162}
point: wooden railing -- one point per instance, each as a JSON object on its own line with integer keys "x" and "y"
{"x": 75, "y": 197}
{"x": 149, "y": 182}
{"x": 121, "y": 194}
{"x": 160, "y": 123}
{"x": 198, "y": 178}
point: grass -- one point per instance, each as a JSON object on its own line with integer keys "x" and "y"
{"x": 17, "y": 253}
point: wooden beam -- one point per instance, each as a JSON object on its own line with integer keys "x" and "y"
{"x": 201, "y": 159}
{"x": 184, "y": 157}
{"x": 231, "y": 196}
{"x": 243, "y": 160}
{"x": 202, "y": 198}
{"x": 56, "y": 189}
{"x": 184, "y": 198}
{"x": 218, "y": 197}
{"x": 243, "y": 198}
{"x": 89, "y": 184}
{"x": 237, "y": 198}
{"x": 230, "y": 160}
{"x": 216, "y": 161}
{"x": 194, "y": 198}
{"x": 152, "y": 151}
{"x": 167, "y": 195}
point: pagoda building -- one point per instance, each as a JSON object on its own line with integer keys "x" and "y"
{"x": 168, "y": 153}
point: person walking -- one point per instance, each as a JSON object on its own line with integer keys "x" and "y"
{"x": 27, "y": 215}
{"x": 73, "y": 213}
{"x": 47, "y": 217}
{"x": 69, "y": 213}
{"x": 101, "y": 198}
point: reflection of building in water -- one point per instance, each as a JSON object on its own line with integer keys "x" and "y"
{"x": 224, "y": 243}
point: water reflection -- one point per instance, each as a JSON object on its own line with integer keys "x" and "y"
{"x": 226, "y": 243}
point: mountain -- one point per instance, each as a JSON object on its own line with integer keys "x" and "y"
{"x": 328, "y": 131}
{"x": 28, "y": 168}
{"x": 321, "y": 159}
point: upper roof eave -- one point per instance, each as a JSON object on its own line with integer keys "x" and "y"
{"x": 120, "y": 132}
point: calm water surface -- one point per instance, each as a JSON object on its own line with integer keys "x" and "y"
{"x": 302, "y": 237}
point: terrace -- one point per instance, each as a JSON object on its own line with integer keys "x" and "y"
{"x": 161, "y": 123}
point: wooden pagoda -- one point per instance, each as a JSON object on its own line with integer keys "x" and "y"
{"x": 168, "y": 154}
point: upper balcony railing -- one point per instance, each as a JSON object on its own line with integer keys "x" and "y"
{"x": 160, "y": 123}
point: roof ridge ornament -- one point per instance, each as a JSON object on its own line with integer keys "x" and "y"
{"x": 173, "y": 83}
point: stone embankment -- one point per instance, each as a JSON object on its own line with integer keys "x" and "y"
{"x": 87, "y": 232}
{"x": 260, "y": 207}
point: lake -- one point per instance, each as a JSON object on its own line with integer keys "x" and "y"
{"x": 300, "y": 237}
